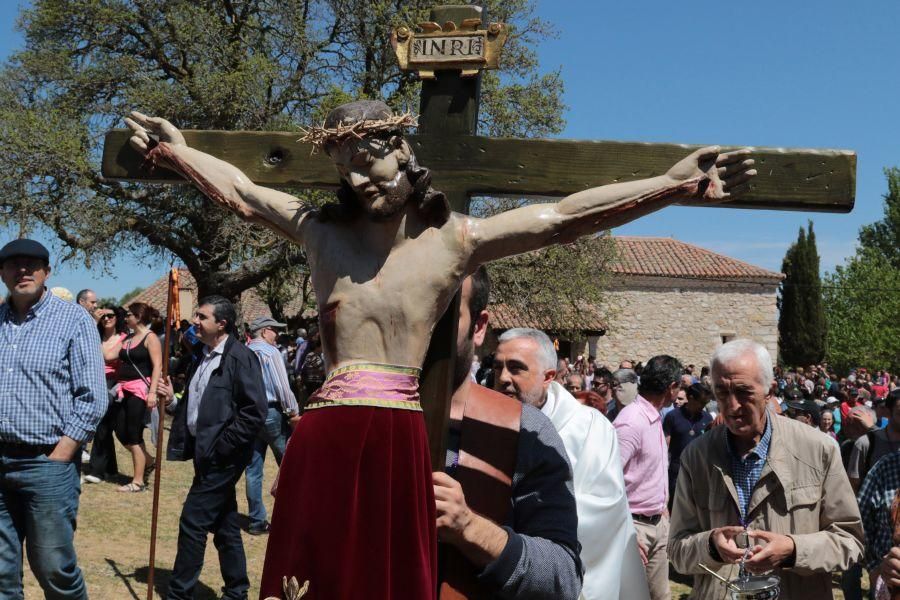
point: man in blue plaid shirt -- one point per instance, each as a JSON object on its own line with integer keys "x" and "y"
{"x": 52, "y": 394}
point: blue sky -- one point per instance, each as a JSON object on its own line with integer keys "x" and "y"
{"x": 767, "y": 73}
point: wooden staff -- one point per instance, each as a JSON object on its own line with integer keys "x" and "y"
{"x": 173, "y": 312}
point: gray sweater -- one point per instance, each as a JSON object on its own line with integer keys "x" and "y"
{"x": 541, "y": 559}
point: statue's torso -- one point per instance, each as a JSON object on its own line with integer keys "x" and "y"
{"x": 378, "y": 297}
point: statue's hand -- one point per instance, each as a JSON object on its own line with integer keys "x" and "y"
{"x": 143, "y": 127}
{"x": 719, "y": 175}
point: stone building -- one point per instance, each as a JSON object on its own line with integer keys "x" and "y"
{"x": 670, "y": 297}
{"x": 676, "y": 298}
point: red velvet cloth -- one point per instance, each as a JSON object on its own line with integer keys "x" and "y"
{"x": 354, "y": 512}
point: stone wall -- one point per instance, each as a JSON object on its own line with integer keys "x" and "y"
{"x": 686, "y": 318}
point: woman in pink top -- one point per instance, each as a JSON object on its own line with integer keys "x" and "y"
{"x": 140, "y": 366}
{"x": 111, "y": 326}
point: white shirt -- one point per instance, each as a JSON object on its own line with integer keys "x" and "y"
{"x": 550, "y": 404}
{"x": 609, "y": 551}
{"x": 210, "y": 362}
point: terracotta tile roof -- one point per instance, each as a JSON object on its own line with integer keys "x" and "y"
{"x": 649, "y": 257}
{"x": 252, "y": 306}
{"x": 504, "y": 316}
{"x": 667, "y": 257}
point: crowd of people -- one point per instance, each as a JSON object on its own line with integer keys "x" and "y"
{"x": 853, "y": 412}
{"x": 562, "y": 478}
{"x": 131, "y": 339}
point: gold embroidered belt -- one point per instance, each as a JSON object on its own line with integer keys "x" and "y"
{"x": 369, "y": 384}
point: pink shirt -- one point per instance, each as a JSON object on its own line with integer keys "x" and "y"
{"x": 642, "y": 446}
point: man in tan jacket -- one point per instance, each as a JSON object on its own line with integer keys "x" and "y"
{"x": 782, "y": 479}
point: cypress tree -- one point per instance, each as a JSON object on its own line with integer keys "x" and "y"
{"x": 801, "y": 322}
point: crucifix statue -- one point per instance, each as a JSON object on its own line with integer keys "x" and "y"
{"x": 386, "y": 260}
{"x": 355, "y": 514}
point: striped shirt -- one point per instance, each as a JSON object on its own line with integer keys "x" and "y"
{"x": 747, "y": 470}
{"x": 278, "y": 388}
{"x": 52, "y": 382}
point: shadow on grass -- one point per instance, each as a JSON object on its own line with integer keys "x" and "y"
{"x": 161, "y": 579}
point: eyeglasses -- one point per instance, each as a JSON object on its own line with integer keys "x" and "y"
{"x": 102, "y": 317}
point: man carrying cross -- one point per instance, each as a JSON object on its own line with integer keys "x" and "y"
{"x": 354, "y": 513}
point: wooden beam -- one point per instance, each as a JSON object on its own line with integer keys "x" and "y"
{"x": 448, "y": 106}
{"x": 789, "y": 178}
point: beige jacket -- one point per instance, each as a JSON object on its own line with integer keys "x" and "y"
{"x": 803, "y": 492}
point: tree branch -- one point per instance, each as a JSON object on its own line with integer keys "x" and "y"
{"x": 252, "y": 272}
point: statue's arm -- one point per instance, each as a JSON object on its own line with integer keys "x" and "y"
{"x": 222, "y": 182}
{"x": 706, "y": 173}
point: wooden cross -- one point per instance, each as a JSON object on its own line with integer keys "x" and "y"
{"x": 464, "y": 164}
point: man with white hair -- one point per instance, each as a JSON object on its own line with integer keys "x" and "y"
{"x": 771, "y": 481}
{"x": 525, "y": 368}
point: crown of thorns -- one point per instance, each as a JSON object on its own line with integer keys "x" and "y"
{"x": 319, "y": 135}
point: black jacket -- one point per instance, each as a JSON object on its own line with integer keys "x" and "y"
{"x": 231, "y": 412}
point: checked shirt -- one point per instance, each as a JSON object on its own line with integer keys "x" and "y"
{"x": 875, "y": 499}
{"x": 51, "y": 374}
{"x": 746, "y": 471}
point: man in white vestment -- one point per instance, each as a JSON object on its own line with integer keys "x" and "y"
{"x": 525, "y": 368}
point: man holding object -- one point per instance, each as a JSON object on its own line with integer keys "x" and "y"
{"x": 506, "y": 512}
{"x": 774, "y": 478}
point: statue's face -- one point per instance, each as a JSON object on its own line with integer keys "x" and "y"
{"x": 375, "y": 169}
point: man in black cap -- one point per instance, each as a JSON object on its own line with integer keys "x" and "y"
{"x": 805, "y": 411}
{"x": 52, "y": 395}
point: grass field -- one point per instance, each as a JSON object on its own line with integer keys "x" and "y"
{"x": 113, "y": 538}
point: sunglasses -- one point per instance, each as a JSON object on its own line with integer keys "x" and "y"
{"x": 102, "y": 317}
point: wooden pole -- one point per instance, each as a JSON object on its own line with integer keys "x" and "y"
{"x": 171, "y": 305}
{"x": 449, "y": 105}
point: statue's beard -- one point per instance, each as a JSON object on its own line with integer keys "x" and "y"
{"x": 393, "y": 196}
